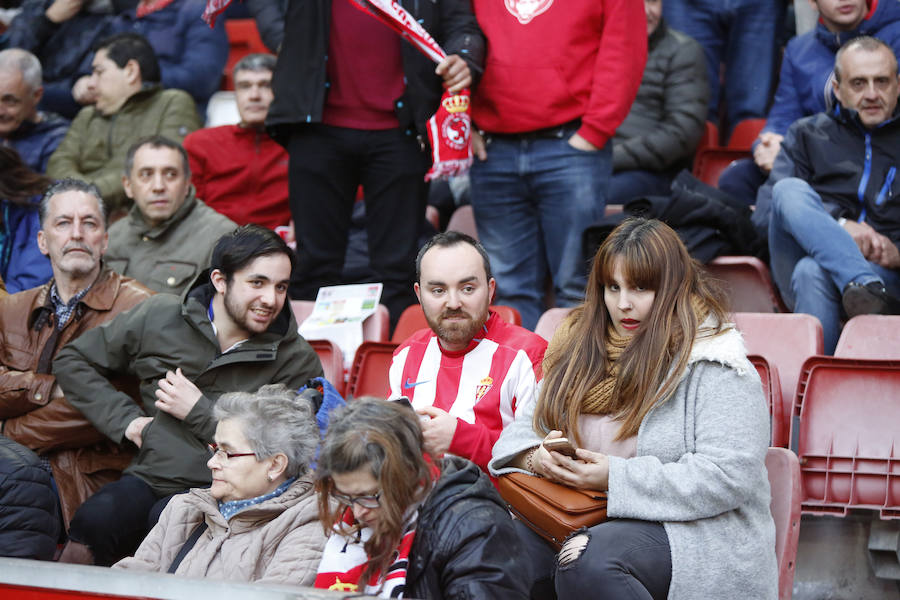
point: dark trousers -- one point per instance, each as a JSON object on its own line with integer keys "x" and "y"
{"x": 624, "y": 559}
{"x": 327, "y": 164}
{"x": 114, "y": 521}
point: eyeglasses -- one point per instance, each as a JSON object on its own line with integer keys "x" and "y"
{"x": 214, "y": 450}
{"x": 369, "y": 501}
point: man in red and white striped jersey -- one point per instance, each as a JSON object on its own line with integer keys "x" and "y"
{"x": 470, "y": 372}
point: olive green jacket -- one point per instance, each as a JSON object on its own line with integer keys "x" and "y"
{"x": 95, "y": 146}
{"x": 159, "y": 335}
{"x": 168, "y": 257}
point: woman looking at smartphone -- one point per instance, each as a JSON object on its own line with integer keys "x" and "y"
{"x": 653, "y": 387}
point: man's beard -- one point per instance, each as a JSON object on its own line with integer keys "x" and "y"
{"x": 460, "y": 332}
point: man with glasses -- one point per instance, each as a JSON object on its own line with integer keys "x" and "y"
{"x": 231, "y": 331}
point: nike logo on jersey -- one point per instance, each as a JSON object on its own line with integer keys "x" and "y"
{"x": 408, "y": 385}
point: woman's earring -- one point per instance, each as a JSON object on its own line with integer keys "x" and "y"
{"x": 270, "y": 478}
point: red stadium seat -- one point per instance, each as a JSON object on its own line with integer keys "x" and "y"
{"x": 848, "y": 440}
{"x": 369, "y": 373}
{"x": 463, "y": 220}
{"x": 549, "y": 321}
{"x": 413, "y": 319}
{"x": 784, "y": 480}
{"x": 710, "y": 137}
{"x": 243, "y": 39}
{"x": 870, "y": 336}
{"x": 332, "y": 360}
{"x": 710, "y": 162}
{"x": 745, "y": 133}
{"x": 748, "y": 282}
{"x": 786, "y": 340}
{"x": 768, "y": 375}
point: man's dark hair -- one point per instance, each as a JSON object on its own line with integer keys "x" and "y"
{"x": 70, "y": 185}
{"x": 452, "y": 238}
{"x": 254, "y": 62}
{"x": 156, "y": 141}
{"x": 122, "y": 47}
{"x": 237, "y": 249}
{"x": 863, "y": 42}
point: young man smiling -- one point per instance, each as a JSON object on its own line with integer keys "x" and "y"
{"x": 470, "y": 371}
{"x": 232, "y": 331}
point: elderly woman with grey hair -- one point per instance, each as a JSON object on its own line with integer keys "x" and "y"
{"x": 259, "y": 520}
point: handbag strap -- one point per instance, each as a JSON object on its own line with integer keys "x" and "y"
{"x": 188, "y": 544}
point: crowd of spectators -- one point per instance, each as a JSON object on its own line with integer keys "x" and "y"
{"x": 148, "y": 262}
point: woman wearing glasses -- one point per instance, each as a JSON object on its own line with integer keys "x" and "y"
{"x": 404, "y": 525}
{"x": 258, "y": 521}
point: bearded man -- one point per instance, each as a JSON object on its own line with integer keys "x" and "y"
{"x": 231, "y": 331}
{"x": 470, "y": 372}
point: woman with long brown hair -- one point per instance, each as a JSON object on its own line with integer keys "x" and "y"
{"x": 652, "y": 386}
{"x": 402, "y": 524}
{"x": 22, "y": 266}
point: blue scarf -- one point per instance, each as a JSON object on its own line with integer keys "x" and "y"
{"x": 233, "y": 507}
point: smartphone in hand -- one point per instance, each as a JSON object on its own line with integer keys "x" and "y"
{"x": 561, "y": 445}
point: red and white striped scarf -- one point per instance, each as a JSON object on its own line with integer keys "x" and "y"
{"x": 344, "y": 559}
{"x": 449, "y": 130}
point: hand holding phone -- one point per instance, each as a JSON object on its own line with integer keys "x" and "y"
{"x": 561, "y": 445}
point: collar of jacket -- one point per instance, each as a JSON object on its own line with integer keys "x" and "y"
{"x": 657, "y": 35}
{"x": 147, "y": 91}
{"x": 45, "y": 121}
{"x": 834, "y": 40}
{"x": 195, "y": 304}
{"x": 137, "y": 222}
{"x": 100, "y": 297}
{"x": 849, "y": 116}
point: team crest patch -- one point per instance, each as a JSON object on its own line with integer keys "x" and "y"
{"x": 484, "y": 386}
{"x": 526, "y": 10}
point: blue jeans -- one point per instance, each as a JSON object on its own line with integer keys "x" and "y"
{"x": 742, "y": 35}
{"x": 626, "y": 185}
{"x": 813, "y": 258}
{"x": 532, "y": 199}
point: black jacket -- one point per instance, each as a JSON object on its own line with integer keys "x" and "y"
{"x": 30, "y": 524}
{"x": 300, "y": 79}
{"x": 465, "y": 545}
{"x": 828, "y": 151}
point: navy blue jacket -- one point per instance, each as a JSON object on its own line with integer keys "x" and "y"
{"x": 35, "y": 142}
{"x": 30, "y": 523}
{"x": 22, "y": 265}
{"x": 852, "y": 168}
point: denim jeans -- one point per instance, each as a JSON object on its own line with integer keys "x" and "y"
{"x": 624, "y": 558}
{"x": 625, "y": 185}
{"x": 532, "y": 199}
{"x": 742, "y": 35}
{"x": 813, "y": 258}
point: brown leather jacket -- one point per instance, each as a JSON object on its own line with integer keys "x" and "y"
{"x": 82, "y": 458}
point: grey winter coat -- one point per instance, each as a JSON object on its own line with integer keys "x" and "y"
{"x": 700, "y": 470}
{"x": 277, "y": 541}
{"x": 666, "y": 121}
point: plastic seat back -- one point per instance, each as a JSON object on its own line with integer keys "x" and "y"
{"x": 848, "y": 438}
{"x": 463, "y": 220}
{"x": 332, "y": 360}
{"x": 748, "y": 283}
{"x": 369, "y": 373}
{"x": 870, "y": 336}
{"x": 710, "y": 162}
{"x": 745, "y": 133}
{"x": 771, "y": 385}
{"x": 549, "y": 321}
{"x": 785, "y": 340}
{"x": 243, "y": 39}
{"x": 784, "y": 480}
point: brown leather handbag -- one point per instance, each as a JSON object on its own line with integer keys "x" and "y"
{"x": 551, "y": 510}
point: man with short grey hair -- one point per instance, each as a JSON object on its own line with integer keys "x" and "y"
{"x": 35, "y": 324}
{"x": 33, "y": 134}
{"x": 167, "y": 238}
{"x": 238, "y": 169}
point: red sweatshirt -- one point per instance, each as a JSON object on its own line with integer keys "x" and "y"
{"x": 242, "y": 173}
{"x": 551, "y": 61}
